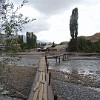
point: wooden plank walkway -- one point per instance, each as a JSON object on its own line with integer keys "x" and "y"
{"x": 58, "y": 57}
{"x": 41, "y": 88}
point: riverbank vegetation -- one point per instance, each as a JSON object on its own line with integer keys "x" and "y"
{"x": 84, "y": 45}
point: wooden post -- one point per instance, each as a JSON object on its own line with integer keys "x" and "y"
{"x": 63, "y": 58}
{"x": 59, "y": 59}
{"x": 46, "y": 59}
{"x": 56, "y": 59}
{"x": 55, "y": 97}
{"x": 49, "y": 78}
{"x": 47, "y": 67}
{"x": 45, "y": 77}
{"x": 67, "y": 56}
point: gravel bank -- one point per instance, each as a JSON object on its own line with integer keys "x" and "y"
{"x": 20, "y": 79}
{"x": 69, "y": 91}
{"x": 8, "y": 98}
{"x": 17, "y": 82}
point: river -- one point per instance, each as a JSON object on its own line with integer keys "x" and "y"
{"x": 84, "y": 65}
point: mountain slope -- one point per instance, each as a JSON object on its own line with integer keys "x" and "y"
{"x": 92, "y": 38}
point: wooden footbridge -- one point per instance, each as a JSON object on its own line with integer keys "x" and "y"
{"x": 59, "y": 55}
{"x": 41, "y": 88}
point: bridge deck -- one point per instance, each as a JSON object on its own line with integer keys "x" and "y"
{"x": 41, "y": 90}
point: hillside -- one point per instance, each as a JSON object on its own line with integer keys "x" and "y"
{"x": 94, "y": 37}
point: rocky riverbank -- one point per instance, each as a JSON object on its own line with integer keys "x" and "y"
{"x": 70, "y": 91}
{"x": 17, "y": 82}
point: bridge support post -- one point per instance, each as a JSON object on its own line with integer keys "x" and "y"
{"x": 47, "y": 67}
{"x": 67, "y": 56}
{"x": 46, "y": 59}
{"x": 55, "y": 97}
{"x": 56, "y": 59}
{"x": 64, "y": 57}
{"x": 59, "y": 59}
{"x": 49, "y": 78}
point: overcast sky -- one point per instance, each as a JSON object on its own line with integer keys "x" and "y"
{"x": 52, "y": 18}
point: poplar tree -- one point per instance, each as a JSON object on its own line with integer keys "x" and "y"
{"x": 74, "y": 23}
{"x": 31, "y": 39}
{"x": 73, "y": 30}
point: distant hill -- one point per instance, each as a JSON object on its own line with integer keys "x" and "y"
{"x": 93, "y": 38}
{"x": 64, "y": 42}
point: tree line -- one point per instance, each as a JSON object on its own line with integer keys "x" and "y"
{"x": 84, "y": 45}
{"x": 31, "y": 41}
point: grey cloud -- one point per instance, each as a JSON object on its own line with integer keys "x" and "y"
{"x": 50, "y": 7}
{"x": 40, "y": 24}
{"x": 37, "y": 26}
